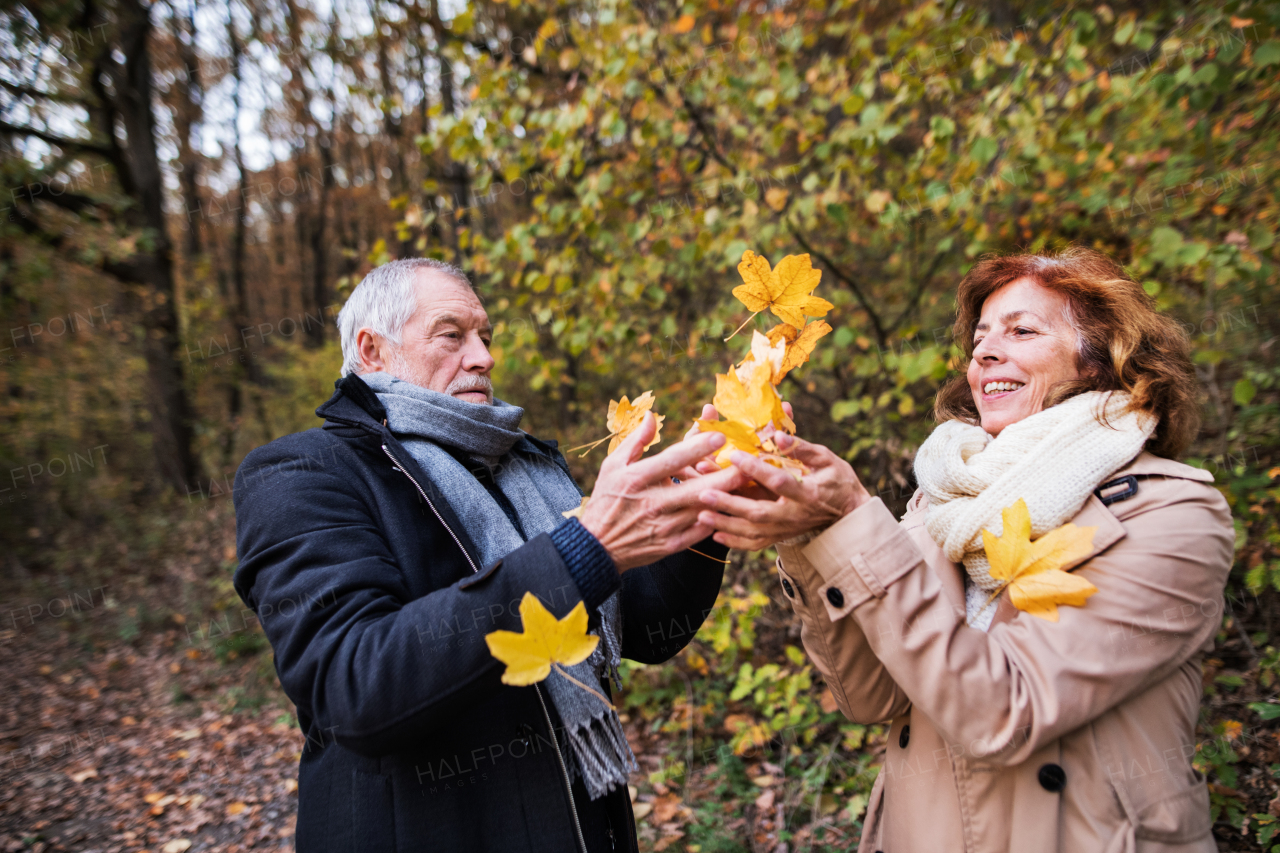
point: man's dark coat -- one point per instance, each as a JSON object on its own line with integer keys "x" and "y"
{"x": 369, "y": 589}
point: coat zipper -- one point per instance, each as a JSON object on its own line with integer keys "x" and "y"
{"x": 434, "y": 511}
{"x": 564, "y": 769}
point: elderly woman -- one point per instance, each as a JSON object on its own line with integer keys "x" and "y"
{"x": 1057, "y": 712}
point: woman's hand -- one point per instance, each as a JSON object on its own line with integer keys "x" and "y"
{"x": 827, "y": 494}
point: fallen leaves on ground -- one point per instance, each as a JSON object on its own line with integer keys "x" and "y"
{"x": 103, "y": 747}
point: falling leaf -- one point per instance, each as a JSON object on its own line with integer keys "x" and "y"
{"x": 1032, "y": 570}
{"x": 576, "y": 513}
{"x": 785, "y": 290}
{"x": 800, "y": 344}
{"x": 626, "y": 416}
{"x": 784, "y": 332}
{"x": 755, "y": 402}
{"x": 546, "y": 641}
{"x": 764, "y": 350}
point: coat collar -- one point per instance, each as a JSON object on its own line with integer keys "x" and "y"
{"x": 1109, "y": 531}
{"x": 1095, "y": 513}
{"x": 353, "y": 402}
{"x": 1149, "y": 465}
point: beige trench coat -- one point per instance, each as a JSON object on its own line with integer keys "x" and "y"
{"x": 1072, "y": 736}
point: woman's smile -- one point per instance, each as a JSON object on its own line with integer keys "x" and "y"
{"x": 996, "y": 388}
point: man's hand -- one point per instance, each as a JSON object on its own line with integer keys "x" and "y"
{"x": 823, "y": 497}
{"x": 638, "y": 513}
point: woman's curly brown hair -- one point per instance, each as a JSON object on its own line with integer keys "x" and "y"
{"x": 1125, "y": 343}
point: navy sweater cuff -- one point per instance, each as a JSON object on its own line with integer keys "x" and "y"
{"x": 588, "y": 562}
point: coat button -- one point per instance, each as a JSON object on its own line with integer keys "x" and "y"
{"x": 786, "y": 587}
{"x": 904, "y": 737}
{"x": 836, "y": 597}
{"x": 1052, "y": 778}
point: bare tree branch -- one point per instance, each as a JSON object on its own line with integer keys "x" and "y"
{"x": 81, "y": 145}
{"x": 876, "y": 325}
{"x": 33, "y": 92}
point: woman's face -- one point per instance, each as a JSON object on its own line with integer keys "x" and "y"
{"x": 1023, "y": 346}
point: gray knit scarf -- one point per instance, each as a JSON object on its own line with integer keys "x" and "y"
{"x": 539, "y": 490}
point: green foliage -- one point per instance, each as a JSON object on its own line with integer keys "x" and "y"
{"x": 601, "y": 181}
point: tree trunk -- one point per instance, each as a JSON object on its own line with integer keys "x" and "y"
{"x": 138, "y": 168}
{"x": 187, "y": 118}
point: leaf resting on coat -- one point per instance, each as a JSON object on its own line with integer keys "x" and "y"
{"x": 1032, "y": 571}
{"x": 545, "y": 641}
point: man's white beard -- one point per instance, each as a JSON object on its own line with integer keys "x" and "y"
{"x": 472, "y": 382}
{"x": 401, "y": 369}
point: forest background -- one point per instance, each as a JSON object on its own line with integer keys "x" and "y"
{"x": 193, "y": 187}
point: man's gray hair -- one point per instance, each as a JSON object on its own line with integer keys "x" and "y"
{"x": 384, "y": 301}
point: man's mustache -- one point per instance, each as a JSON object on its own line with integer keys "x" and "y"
{"x": 482, "y": 384}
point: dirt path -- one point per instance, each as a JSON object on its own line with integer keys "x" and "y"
{"x": 104, "y": 748}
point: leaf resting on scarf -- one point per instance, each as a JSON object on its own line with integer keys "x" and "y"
{"x": 576, "y": 512}
{"x": 545, "y": 641}
{"x": 1032, "y": 571}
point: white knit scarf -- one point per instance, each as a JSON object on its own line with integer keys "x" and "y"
{"x": 1053, "y": 460}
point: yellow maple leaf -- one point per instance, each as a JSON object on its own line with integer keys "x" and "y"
{"x": 786, "y": 290}
{"x": 784, "y": 332}
{"x": 1032, "y": 571}
{"x": 739, "y": 436}
{"x": 546, "y": 641}
{"x": 799, "y": 342}
{"x": 625, "y": 417}
{"x": 755, "y": 402}
{"x": 764, "y": 350}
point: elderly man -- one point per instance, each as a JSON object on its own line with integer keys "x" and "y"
{"x": 380, "y": 549}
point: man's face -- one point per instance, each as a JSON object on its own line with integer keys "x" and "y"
{"x": 445, "y": 345}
